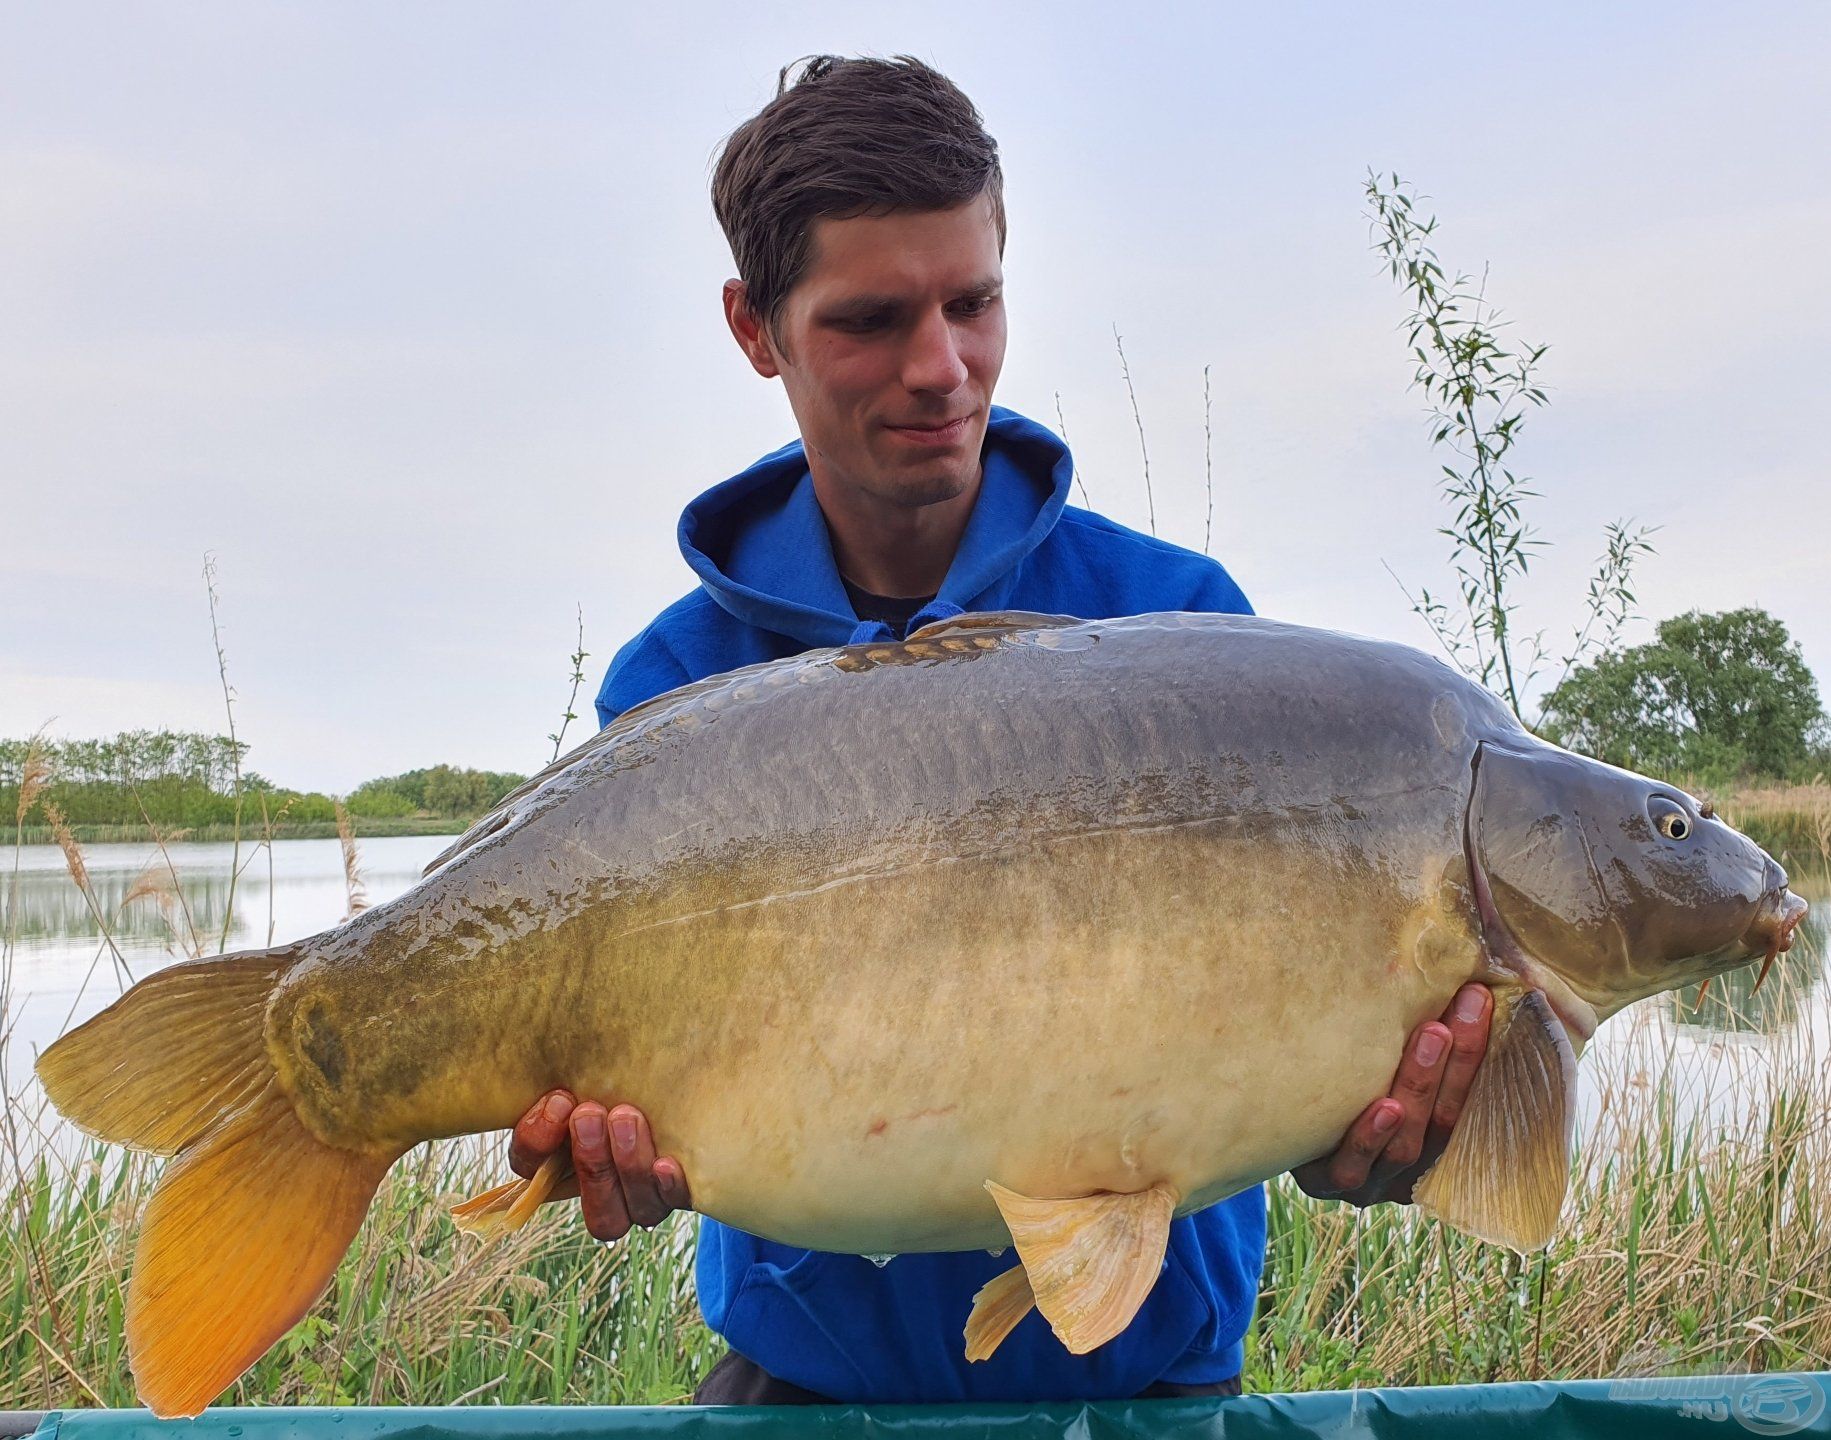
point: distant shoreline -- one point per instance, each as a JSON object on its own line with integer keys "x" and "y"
{"x": 375, "y": 829}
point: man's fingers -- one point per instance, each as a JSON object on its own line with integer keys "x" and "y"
{"x": 540, "y": 1132}
{"x": 673, "y": 1182}
{"x": 1415, "y": 1088}
{"x": 632, "y": 1146}
{"x": 1468, "y": 1018}
{"x": 1366, "y": 1138}
{"x": 600, "y": 1190}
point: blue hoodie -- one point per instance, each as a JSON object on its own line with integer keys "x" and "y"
{"x": 838, "y": 1324}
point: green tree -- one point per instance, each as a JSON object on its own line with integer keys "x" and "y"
{"x": 441, "y": 790}
{"x": 1718, "y": 694}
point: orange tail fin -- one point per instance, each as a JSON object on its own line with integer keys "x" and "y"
{"x": 249, "y": 1221}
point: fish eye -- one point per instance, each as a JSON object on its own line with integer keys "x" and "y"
{"x": 1669, "y": 817}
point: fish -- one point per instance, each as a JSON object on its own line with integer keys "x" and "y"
{"x": 1024, "y": 931}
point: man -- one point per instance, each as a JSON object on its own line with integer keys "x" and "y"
{"x": 864, "y": 206}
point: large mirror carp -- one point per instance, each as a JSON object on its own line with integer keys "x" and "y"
{"x": 1027, "y": 930}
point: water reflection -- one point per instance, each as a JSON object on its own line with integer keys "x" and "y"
{"x": 148, "y": 907}
{"x": 158, "y": 907}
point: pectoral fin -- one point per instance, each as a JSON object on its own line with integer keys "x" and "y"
{"x": 1089, "y": 1264}
{"x": 1504, "y": 1174}
{"x": 997, "y": 1308}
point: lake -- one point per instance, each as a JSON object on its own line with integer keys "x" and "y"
{"x": 1718, "y": 1063}
{"x": 63, "y": 972}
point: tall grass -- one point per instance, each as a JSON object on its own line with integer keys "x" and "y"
{"x": 417, "y": 1314}
{"x": 1791, "y": 822}
{"x": 1695, "y": 1240}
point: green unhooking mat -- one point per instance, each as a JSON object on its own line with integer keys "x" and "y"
{"x": 1723, "y": 1407}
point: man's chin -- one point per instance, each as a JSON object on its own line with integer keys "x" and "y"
{"x": 930, "y": 482}
{"x": 919, "y": 492}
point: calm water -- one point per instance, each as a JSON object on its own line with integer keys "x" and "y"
{"x": 63, "y": 971}
{"x": 1719, "y": 1061}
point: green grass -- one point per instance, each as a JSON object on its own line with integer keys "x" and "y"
{"x": 417, "y": 1314}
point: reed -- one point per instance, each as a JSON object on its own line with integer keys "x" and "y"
{"x": 1791, "y": 822}
{"x": 1693, "y": 1242}
{"x": 417, "y": 1314}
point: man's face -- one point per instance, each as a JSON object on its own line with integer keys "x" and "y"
{"x": 891, "y": 344}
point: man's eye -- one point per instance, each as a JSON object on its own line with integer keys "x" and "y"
{"x": 977, "y": 305}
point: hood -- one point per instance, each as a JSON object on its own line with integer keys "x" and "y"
{"x": 758, "y": 542}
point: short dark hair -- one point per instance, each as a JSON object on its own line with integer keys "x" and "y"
{"x": 845, "y": 137}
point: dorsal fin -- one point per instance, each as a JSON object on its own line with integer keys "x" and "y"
{"x": 631, "y": 719}
{"x": 993, "y": 620}
{"x": 672, "y": 700}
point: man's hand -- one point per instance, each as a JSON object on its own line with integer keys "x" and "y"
{"x": 615, "y": 1172}
{"x": 1397, "y": 1138}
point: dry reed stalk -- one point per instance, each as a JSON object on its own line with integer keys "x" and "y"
{"x": 188, "y": 942}
{"x": 79, "y": 872}
{"x": 73, "y": 853}
{"x": 354, "y": 889}
{"x": 235, "y": 747}
{"x": 34, "y": 775}
{"x": 33, "y": 778}
{"x": 1150, "y": 498}
{"x": 267, "y": 820}
{"x": 1061, "y": 424}
{"x": 1208, "y": 459}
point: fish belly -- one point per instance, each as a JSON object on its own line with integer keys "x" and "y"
{"x": 843, "y": 1067}
{"x": 902, "y": 1041}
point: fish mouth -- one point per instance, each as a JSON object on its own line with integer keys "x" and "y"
{"x": 1776, "y": 917}
{"x": 1774, "y": 926}
{"x": 1771, "y": 932}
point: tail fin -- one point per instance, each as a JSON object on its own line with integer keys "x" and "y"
{"x": 249, "y": 1221}
{"x": 174, "y": 1056}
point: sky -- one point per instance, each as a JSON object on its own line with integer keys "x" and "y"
{"x": 409, "y": 315}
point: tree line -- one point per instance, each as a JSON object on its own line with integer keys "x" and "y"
{"x": 180, "y": 780}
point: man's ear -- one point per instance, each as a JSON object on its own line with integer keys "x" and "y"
{"x": 748, "y": 331}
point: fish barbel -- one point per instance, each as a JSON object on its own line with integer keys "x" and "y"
{"x": 1024, "y": 930}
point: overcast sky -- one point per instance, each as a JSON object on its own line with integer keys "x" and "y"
{"x": 410, "y": 314}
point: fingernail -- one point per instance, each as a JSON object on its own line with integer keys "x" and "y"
{"x": 623, "y": 1131}
{"x": 590, "y": 1127}
{"x": 1470, "y": 1006}
{"x": 1385, "y": 1119}
{"x": 556, "y": 1109}
{"x": 1430, "y": 1047}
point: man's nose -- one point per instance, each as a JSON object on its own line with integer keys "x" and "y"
{"x": 933, "y": 362}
